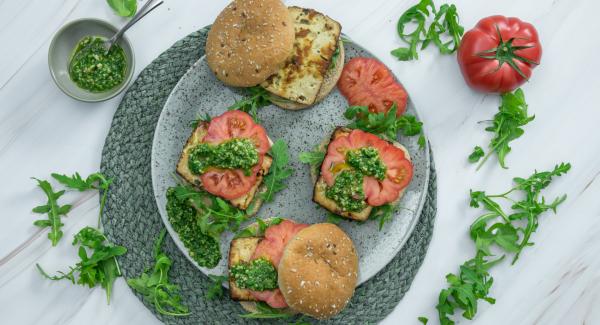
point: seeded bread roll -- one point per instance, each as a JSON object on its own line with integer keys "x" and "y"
{"x": 249, "y": 41}
{"x": 318, "y": 271}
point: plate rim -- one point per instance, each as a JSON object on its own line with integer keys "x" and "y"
{"x": 175, "y": 236}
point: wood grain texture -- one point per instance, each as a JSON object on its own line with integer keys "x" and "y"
{"x": 555, "y": 282}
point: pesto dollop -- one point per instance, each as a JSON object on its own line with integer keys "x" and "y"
{"x": 232, "y": 154}
{"x": 347, "y": 191}
{"x": 366, "y": 160}
{"x": 93, "y": 69}
{"x": 183, "y": 217}
{"x": 258, "y": 275}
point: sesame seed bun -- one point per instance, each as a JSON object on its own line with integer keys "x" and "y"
{"x": 318, "y": 271}
{"x": 330, "y": 81}
{"x": 249, "y": 41}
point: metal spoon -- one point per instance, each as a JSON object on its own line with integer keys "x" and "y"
{"x": 139, "y": 15}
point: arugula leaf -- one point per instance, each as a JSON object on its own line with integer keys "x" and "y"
{"x": 257, "y": 98}
{"x": 279, "y": 172}
{"x": 423, "y": 320}
{"x": 53, "y": 210}
{"x": 336, "y": 55}
{"x": 445, "y": 24}
{"x": 506, "y": 125}
{"x": 334, "y": 218}
{"x": 265, "y": 311}
{"x": 383, "y": 213}
{"x": 100, "y": 267}
{"x": 259, "y": 229}
{"x": 476, "y": 154}
{"x": 154, "y": 286}
{"x": 216, "y": 289}
{"x": 386, "y": 125}
{"x": 498, "y": 230}
{"x": 313, "y": 158}
{"x": 95, "y": 181}
{"x": 199, "y": 119}
{"x": 123, "y": 8}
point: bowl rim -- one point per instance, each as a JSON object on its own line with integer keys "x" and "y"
{"x": 60, "y": 85}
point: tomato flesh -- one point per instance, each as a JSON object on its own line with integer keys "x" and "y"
{"x": 233, "y": 183}
{"x": 368, "y": 82}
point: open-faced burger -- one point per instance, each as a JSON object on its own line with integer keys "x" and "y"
{"x": 361, "y": 171}
{"x": 293, "y": 53}
{"x": 299, "y": 268}
{"x": 227, "y": 157}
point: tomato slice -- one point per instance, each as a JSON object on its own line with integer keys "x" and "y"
{"x": 368, "y": 82}
{"x": 271, "y": 247}
{"x": 233, "y": 183}
{"x": 399, "y": 169}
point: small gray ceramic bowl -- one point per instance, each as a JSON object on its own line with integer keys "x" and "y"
{"x": 62, "y": 47}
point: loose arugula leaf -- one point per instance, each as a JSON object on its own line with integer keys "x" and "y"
{"x": 201, "y": 118}
{"x": 155, "y": 287}
{"x": 313, "y": 158}
{"x": 95, "y": 181}
{"x": 53, "y": 210}
{"x": 216, "y": 289}
{"x": 476, "y": 154}
{"x": 265, "y": 311}
{"x": 334, "y": 218}
{"x": 383, "y": 213}
{"x": 500, "y": 230}
{"x": 123, "y": 8}
{"x": 279, "y": 172}
{"x": 259, "y": 229}
{"x": 445, "y": 24}
{"x": 386, "y": 125}
{"x": 506, "y": 125}
{"x": 100, "y": 267}
{"x": 423, "y": 320}
{"x": 257, "y": 98}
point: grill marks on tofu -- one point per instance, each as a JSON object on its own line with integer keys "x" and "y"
{"x": 241, "y": 250}
{"x": 303, "y": 74}
{"x": 183, "y": 170}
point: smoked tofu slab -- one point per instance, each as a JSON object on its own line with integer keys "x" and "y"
{"x": 241, "y": 250}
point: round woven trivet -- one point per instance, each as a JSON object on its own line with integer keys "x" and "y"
{"x": 131, "y": 217}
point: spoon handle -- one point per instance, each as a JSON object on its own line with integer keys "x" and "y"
{"x": 139, "y": 15}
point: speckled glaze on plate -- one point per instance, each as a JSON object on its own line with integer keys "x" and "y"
{"x": 199, "y": 92}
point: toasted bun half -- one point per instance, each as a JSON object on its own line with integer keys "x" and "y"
{"x": 331, "y": 78}
{"x": 318, "y": 271}
{"x": 249, "y": 41}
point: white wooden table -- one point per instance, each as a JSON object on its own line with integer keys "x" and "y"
{"x": 557, "y": 281}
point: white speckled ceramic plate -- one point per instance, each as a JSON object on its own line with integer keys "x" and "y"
{"x": 199, "y": 91}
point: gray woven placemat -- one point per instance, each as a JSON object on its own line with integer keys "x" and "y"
{"x": 131, "y": 217}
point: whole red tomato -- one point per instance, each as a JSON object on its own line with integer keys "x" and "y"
{"x": 499, "y": 54}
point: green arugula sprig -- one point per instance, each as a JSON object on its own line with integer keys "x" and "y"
{"x": 264, "y": 311}
{"x": 259, "y": 229}
{"x": 216, "y": 289}
{"x": 313, "y": 158}
{"x": 476, "y": 154}
{"x": 506, "y": 126}
{"x": 419, "y": 14}
{"x": 445, "y": 24}
{"x": 499, "y": 230}
{"x": 383, "y": 214}
{"x": 123, "y": 8}
{"x": 274, "y": 181}
{"x": 54, "y": 211}
{"x": 95, "y": 181}
{"x": 100, "y": 267}
{"x": 386, "y": 125}
{"x": 258, "y": 97}
{"x": 155, "y": 286}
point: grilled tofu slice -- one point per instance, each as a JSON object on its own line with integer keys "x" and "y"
{"x": 241, "y": 250}
{"x": 242, "y": 202}
{"x": 319, "y": 196}
{"x": 303, "y": 74}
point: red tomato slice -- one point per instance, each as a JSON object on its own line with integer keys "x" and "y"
{"x": 399, "y": 169}
{"x": 368, "y": 82}
{"x": 226, "y": 183}
{"x": 271, "y": 247}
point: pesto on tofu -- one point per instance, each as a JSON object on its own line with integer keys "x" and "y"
{"x": 93, "y": 68}
{"x": 184, "y": 218}
{"x": 347, "y": 191}
{"x": 367, "y": 161}
{"x": 258, "y": 275}
{"x": 232, "y": 154}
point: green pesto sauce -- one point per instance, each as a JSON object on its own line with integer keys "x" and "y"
{"x": 366, "y": 160}
{"x": 258, "y": 275}
{"x": 183, "y": 217}
{"x": 233, "y": 154}
{"x": 347, "y": 191}
{"x": 94, "y": 69}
